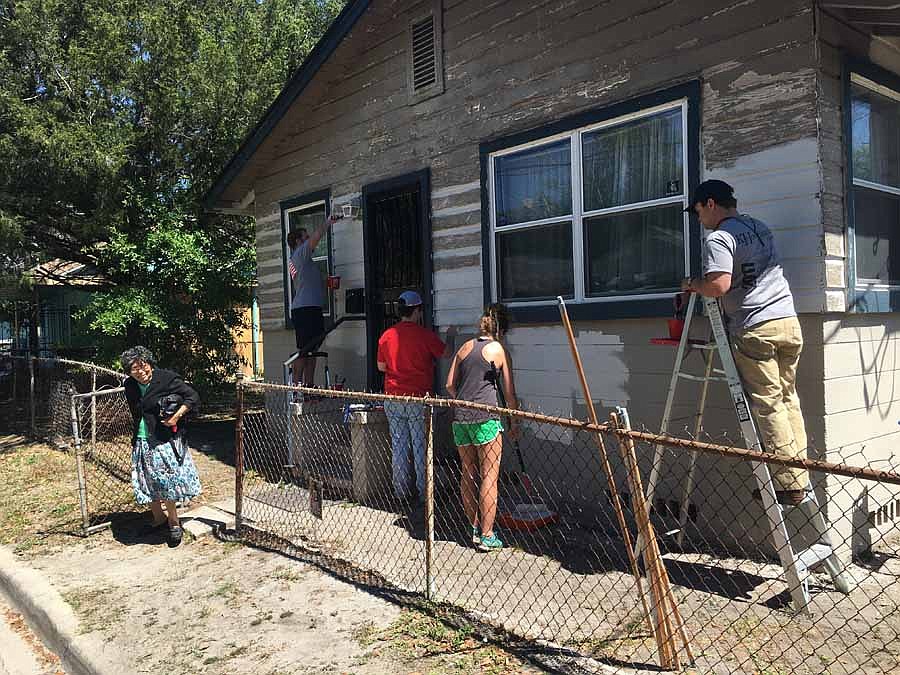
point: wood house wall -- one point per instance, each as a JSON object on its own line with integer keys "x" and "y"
{"x": 515, "y": 66}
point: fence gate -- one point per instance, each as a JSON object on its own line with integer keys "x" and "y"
{"x": 101, "y": 429}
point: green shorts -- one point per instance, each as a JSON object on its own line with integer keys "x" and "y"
{"x": 477, "y": 433}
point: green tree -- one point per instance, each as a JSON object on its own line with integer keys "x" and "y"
{"x": 115, "y": 117}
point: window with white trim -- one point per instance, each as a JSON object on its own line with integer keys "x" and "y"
{"x": 875, "y": 173}
{"x": 309, "y": 217}
{"x": 594, "y": 214}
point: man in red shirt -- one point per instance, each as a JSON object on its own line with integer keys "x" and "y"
{"x": 406, "y": 355}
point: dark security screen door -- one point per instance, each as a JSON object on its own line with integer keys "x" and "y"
{"x": 398, "y": 255}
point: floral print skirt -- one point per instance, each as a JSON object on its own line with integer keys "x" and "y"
{"x": 156, "y": 472}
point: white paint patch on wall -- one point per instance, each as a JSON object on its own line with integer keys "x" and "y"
{"x": 456, "y": 210}
{"x": 780, "y": 186}
{"x": 453, "y": 190}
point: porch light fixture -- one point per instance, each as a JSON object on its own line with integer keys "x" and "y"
{"x": 351, "y": 209}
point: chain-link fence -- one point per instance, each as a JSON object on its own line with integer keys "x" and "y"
{"x": 388, "y": 486}
{"x": 382, "y": 483}
{"x": 102, "y": 429}
{"x": 35, "y": 394}
{"x": 79, "y": 408}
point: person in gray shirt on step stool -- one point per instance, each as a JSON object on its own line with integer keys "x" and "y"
{"x": 741, "y": 266}
{"x": 308, "y": 300}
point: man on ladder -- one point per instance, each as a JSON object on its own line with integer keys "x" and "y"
{"x": 741, "y": 266}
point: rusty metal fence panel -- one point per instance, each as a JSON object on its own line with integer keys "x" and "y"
{"x": 316, "y": 472}
{"x": 78, "y": 408}
{"x": 35, "y": 394}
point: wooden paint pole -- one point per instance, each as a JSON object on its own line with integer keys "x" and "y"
{"x": 646, "y": 540}
{"x": 604, "y": 460}
{"x": 429, "y": 502}
{"x": 667, "y": 607}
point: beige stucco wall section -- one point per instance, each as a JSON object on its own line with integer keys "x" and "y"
{"x": 860, "y": 350}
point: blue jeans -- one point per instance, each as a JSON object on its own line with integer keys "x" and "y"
{"x": 407, "y": 425}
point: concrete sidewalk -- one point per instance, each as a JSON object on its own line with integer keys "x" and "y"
{"x": 48, "y": 614}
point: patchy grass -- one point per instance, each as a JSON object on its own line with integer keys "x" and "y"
{"x": 39, "y": 506}
{"x": 98, "y": 608}
{"x": 227, "y": 591}
{"x": 38, "y": 497}
{"x": 436, "y": 648}
{"x": 288, "y": 574}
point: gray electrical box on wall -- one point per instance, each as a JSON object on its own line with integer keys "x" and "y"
{"x": 355, "y": 301}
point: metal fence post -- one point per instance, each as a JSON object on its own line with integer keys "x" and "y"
{"x": 31, "y": 401}
{"x": 93, "y": 411}
{"x": 429, "y": 501}
{"x": 239, "y": 456}
{"x": 79, "y": 467}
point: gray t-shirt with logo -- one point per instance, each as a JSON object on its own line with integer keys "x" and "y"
{"x": 745, "y": 248}
{"x": 309, "y": 289}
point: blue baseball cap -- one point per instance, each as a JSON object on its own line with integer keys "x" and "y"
{"x": 410, "y": 298}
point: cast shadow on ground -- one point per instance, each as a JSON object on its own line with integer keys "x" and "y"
{"x": 584, "y": 549}
{"x": 214, "y": 437}
{"x": 133, "y": 529}
{"x": 557, "y": 660}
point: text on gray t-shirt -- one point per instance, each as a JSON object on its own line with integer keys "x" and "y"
{"x": 745, "y": 248}
{"x": 309, "y": 289}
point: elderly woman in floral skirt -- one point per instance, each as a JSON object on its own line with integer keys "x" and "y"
{"x": 162, "y": 471}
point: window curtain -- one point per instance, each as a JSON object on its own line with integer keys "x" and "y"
{"x": 634, "y": 162}
{"x": 534, "y": 184}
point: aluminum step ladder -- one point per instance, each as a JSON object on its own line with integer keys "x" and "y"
{"x": 797, "y": 564}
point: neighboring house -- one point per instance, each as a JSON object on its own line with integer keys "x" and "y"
{"x": 61, "y": 289}
{"x": 519, "y": 151}
{"x": 248, "y": 342}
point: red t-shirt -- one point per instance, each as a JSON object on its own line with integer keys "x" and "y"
{"x": 409, "y": 351}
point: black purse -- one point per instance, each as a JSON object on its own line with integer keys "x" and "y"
{"x": 169, "y": 405}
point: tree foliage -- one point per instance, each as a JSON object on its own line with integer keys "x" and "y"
{"x": 115, "y": 117}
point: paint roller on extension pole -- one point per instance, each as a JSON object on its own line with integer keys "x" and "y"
{"x": 533, "y": 513}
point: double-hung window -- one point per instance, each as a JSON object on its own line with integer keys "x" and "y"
{"x": 308, "y": 215}
{"x": 594, "y": 214}
{"x": 874, "y": 120}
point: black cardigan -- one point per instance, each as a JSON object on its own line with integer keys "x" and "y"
{"x": 163, "y": 383}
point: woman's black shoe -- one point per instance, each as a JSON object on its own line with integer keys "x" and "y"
{"x": 175, "y": 535}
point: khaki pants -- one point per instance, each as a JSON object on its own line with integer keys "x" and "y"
{"x": 767, "y": 356}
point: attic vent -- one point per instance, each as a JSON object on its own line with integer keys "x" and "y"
{"x": 424, "y": 63}
{"x": 426, "y": 78}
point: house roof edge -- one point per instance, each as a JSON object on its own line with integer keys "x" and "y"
{"x": 324, "y": 48}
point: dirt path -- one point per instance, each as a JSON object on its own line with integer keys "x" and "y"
{"x": 212, "y": 606}
{"x": 218, "y": 607}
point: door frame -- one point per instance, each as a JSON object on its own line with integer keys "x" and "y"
{"x": 422, "y": 180}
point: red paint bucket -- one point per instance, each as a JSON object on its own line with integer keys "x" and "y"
{"x": 676, "y": 328}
